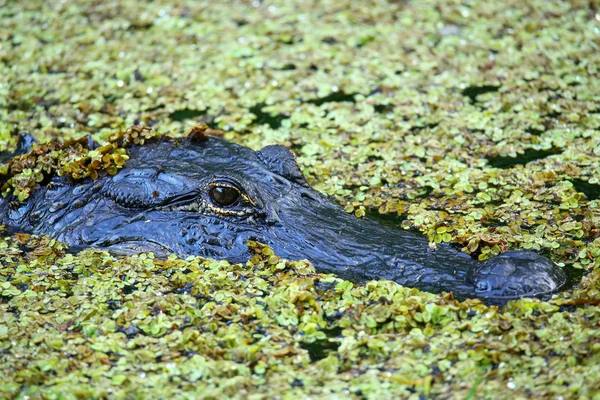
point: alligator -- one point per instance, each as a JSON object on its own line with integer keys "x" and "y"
{"x": 204, "y": 196}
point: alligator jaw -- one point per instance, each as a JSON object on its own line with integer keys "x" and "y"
{"x": 135, "y": 246}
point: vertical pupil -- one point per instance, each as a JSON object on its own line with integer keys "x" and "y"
{"x": 224, "y": 196}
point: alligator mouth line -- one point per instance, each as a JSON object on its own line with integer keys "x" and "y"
{"x": 129, "y": 246}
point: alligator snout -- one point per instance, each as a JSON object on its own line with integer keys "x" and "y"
{"x": 516, "y": 274}
{"x": 361, "y": 249}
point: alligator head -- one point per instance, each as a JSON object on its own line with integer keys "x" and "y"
{"x": 209, "y": 197}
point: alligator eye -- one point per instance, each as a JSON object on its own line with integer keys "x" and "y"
{"x": 224, "y": 195}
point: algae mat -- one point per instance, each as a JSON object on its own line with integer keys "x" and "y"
{"x": 474, "y": 122}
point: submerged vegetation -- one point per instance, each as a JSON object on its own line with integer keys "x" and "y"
{"x": 477, "y": 123}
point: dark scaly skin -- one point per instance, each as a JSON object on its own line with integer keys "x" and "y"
{"x": 160, "y": 202}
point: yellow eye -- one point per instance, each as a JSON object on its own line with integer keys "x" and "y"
{"x": 224, "y": 196}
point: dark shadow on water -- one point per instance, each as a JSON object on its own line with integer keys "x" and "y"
{"x": 274, "y": 121}
{"x": 186, "y": 113}
{"x": 527, "y": 156}
{"x": 473, "y": 91}
{"x": 591, "y": 191}
{"x": 383, "y": 108}
{"x": 333, "y": 97}
{"x": 320, "y": 349}
{"x": 389, "y": 220}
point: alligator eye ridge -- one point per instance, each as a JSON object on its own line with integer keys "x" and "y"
{"x": 224, "y": 196}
